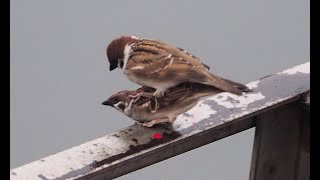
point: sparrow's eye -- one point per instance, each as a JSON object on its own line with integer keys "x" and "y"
{"x": 116, "y": 99}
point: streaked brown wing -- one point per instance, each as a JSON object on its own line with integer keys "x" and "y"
{"x": 160, "y": 61}
{"x": 164, "y": 62}
{"x": 154, "y": 47}
{"x": 162, "y": 67}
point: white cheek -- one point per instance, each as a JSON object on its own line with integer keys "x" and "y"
{"x": 119, "y": 63}
{"x": 127, "y": 51}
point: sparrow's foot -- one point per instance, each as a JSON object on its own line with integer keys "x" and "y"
{"x": 134, "y": 96}
{"x": 156, "y": 121}
{"x": 137, "y": 96}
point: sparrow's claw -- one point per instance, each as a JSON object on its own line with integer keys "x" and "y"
{"x": 156, "y": 121}
{"x": 134, "y": 96}
{"x": 137, "y": 96}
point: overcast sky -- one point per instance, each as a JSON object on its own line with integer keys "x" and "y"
{"x": 60, "y": 74}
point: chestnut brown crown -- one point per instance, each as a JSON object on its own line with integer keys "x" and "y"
{"x": 122, "y": 97}
{"x": 115, "y": 50}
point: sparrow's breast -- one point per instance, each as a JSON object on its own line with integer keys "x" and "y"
{"x": 132, "y": 77}
{"x": 149, "y": 81}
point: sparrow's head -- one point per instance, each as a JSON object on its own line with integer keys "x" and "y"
{"x": 120, "y": 100}
{"x": 118, "y": 50}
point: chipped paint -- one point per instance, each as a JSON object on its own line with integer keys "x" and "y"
{"x": 106, "y": 154}
{"x": 75, "y": 158}
{"x": 193, "y": 116}
{"x": 253, "y": 84}
{"x": 80, "y": 160}
{"x": 303, "y": 68}
{"x": 229, "y": 100}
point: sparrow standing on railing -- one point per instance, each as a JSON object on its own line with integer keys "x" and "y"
{"x": 159, "y": 65}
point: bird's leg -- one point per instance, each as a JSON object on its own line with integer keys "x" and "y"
{"x": 159, "y": 93}
{"x": 135, "y": 97}
{"x": 156, "y": 121}
{"x": 156, "y": 105}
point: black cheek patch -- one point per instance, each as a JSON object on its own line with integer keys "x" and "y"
{"x": 121, "y": 106}
{"x": 121, "y": 64}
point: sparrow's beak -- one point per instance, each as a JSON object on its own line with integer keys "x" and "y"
{"x": 113, "y": 66}
{"x": 107, "y": 103}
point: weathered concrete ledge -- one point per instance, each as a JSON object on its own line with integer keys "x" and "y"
{"x": 134, "y": 147}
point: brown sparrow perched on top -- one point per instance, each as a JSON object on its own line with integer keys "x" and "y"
{"x": 150, "y": 111}
{"x": 159, "y": 65}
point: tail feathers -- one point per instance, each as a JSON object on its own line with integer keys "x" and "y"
{"x": 239, "y": 86}
{"x": 228, "y": 85}
{"x": 208, "y": 92}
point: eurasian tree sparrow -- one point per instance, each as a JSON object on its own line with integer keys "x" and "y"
{"x": 151, "y": 110}
{"x": 159, "y": 65}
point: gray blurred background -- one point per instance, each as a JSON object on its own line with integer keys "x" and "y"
{"x": 59, "y": 69}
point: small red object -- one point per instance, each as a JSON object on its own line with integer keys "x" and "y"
{"x": 157, "y": 136}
